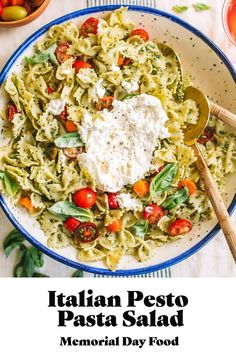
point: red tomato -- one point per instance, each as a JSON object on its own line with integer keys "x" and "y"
{"x": 115, "y": 226}
{"x": 71, "y": 224}
{"x": 61, "y": 53}
{"x": 89, "y": 26}
{"x": 85, "y": 198}
{"x": 72, "y": 153}
{"x": 152, "y": 213}
{"x": 86, "y": 232}
{"x": 207, "y": 135}
{"x": 179, "y": 227}
{"x": 141, "y": 33}
{"x": 11, "y": 111}
{"x": 50, "y": 90}
{"x": 70, "y": 126}
{"x": 105, "y": 102}
{"x": 78, "y": 64}
{"x": 64, "y": 114}
{"x": 112, "y": 201}
{"x": 5, "y": 3}
{"x": 123, "y": 61}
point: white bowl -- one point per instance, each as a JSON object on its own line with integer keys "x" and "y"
{"x": 210, "y": 70}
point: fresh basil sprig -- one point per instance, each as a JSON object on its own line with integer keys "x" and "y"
{"x": 161, "y": 182}
{"x": 140, "y": 228}
{"x": 13, "y": 240}
{"x": 179, "y": 9}
{"x": 10, "y": 184}
{"x": 70, "y": 140}
{"x": 46, "y": 55}
{"x": 65, "y": 209}
{"x": 201, "y": 7}
{"x": 176, "y": 199}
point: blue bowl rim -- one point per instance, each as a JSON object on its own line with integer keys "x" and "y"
{"x": 3, "y": 204}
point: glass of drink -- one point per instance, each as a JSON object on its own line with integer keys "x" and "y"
{"x": 229, "y": 19}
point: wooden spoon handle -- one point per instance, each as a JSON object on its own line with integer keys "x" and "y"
{"x": 217, "y": 202}
{"x": 224, "y": 115}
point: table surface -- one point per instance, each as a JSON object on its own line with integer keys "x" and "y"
{"x": 214, "y": 259}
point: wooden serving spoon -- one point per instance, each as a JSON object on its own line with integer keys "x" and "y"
{"x": 191, "y": 134}
{"x": 219, "y": 112}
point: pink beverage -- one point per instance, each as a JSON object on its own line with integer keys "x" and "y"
{"x": 229, "y": 19}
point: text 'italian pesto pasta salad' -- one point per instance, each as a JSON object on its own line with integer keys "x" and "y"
{"x": 96, "y": 151}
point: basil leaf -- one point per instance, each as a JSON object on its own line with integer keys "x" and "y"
{"x": 46, "y": 55}
{"x": 179, "y": 9}
{"x": 12, "y": 241}
{"x": 140, "y": 228}
{"x": 65, "y": 209}
{"x": 10, "y": 184}
{"x": 25, "y": 268}
{"x": 78, "y": 274}
{"x": 37, "y": 257}
{"x": 70, "y": 140}
{"x": 201, "y": 7}
{"x": 163, "y": 180}
{"x": 176, "y": 199}
{"x": 40, "y": 275}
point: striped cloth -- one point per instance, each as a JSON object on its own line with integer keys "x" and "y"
{"x": 165, "y": 273}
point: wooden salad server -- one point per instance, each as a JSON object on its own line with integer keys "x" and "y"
{"x": 219, "y": 112}
{"x": 191, "y": 134}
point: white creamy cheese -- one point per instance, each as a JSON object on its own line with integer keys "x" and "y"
{"x": 120, "y": 144}
{"x": 130, "y": 86}
{"x": 127, "y": 202}
{"x": 56, "y": 106}
{"x": 99, "y": 89}
{"x": 115, "y": 68}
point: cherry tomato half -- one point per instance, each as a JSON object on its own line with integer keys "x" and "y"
{"x": 179, "y": 227}
{"x": 72, "y": 153}
{"x": 11, "y": 111}
{"x": 123, "y": 61}
{"x": 141, "y": 187}
{"x": 85, "y": 198}
{"x": 61, "y": 52}
{"x": 115, "y": 226}
{"x": 141, "y": 33}
{"x": 78, "y": 64}
{"x": 1, "y": 8}
{"x": 112, "y": 201}
{"x": 152, "y": 213}
{"x": 70, "y": 126}
{"x": 86, "y": 232}
{"x": 49, "y": 90}
{"x": 105, "y": 102}
{"x": 71, "y": 224}
{"x": 192, "y": 188}
{"x": 89, "y": 26}
{"x": 207, "y": 135}
{"x": 16, "y": 2}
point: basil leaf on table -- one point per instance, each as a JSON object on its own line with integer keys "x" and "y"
{"x": 26, "y": 267}
{"x": 201, "y": 7}
{"x": 78, "y": 274}
{"x": 46, "y": 55}
{"x": 140, "y": 228}
{"x": 161, "y": 182}
{"x": 70, "y": 140}
{"x": 10, "y": 184}
{"x": 12, "y": 241}
{"x": 176, "y": 199}
{"x": 179, "y": 9}
{"x": 37, "y": 257}
{"x": 40, "y": 275}
{"x": 65, "y": 209}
